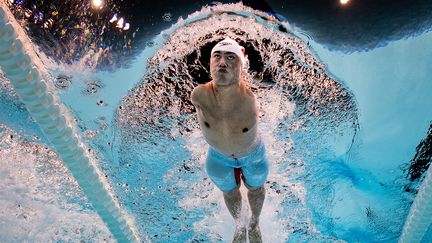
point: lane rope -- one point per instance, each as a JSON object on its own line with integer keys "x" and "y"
{"x": 420, "y": 216}
{"x": 27, "y": 81}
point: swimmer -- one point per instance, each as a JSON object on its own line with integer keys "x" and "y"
{"x": 228, "y": 116}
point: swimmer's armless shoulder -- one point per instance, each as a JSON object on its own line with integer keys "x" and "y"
{"x": 197, "y": 96}
{"x": 252, "y": 99}
{"x": 249, "y": 92}
{"x": 200, "y": 96}
{"x": 200, "y": 99}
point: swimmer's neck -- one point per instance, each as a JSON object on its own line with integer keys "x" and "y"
{"x": 226, "y": 89}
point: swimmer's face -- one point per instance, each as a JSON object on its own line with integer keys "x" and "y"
{"x": 225, "y": 67}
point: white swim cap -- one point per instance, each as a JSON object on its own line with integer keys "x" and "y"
{"x": 230, "y": 45}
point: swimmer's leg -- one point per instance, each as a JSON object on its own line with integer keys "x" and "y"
{"x": 256, "y": 198}
{"x": 227, "y": 179}
{"x": 233, "y": 201}
{"x": 255, "y": 175}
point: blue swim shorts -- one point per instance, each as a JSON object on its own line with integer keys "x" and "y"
{"x": 225, "y": 172}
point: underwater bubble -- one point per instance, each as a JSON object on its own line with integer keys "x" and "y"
{"x": 167, "y": 17}
{"x": 63, "y": 81}
{"x": 100, "y": 103}
{"x": 90, "y": 133}
{"x": 102, "y": 123}
{"x": 92, "y": 87}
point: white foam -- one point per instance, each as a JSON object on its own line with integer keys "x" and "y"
{"x": 39, "y": 200}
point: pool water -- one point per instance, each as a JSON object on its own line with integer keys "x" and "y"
{"x": 340, "y": 129}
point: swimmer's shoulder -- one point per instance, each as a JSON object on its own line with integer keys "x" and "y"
{"x": 248, "y": 91}
{"x": 200, "y": 94}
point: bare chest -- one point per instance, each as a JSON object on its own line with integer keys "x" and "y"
{"x": 235, "y": 117}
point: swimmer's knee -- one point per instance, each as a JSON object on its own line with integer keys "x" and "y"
{"x": 256, "y": 190}
{"x": 255, "y": 182}
{"x": 233, "y": 192}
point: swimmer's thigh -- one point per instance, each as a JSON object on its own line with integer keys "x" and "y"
{"x": 221, "y": 174}
{"x": 256, "y": 172}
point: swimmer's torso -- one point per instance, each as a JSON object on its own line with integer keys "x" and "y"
{"x": 228, "y": 123}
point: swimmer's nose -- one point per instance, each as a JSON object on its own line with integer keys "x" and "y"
{"x": 222, "y": 63}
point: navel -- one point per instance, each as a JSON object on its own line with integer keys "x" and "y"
{"x": 206, "y": 124}
{"x": 245, "y": 129}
